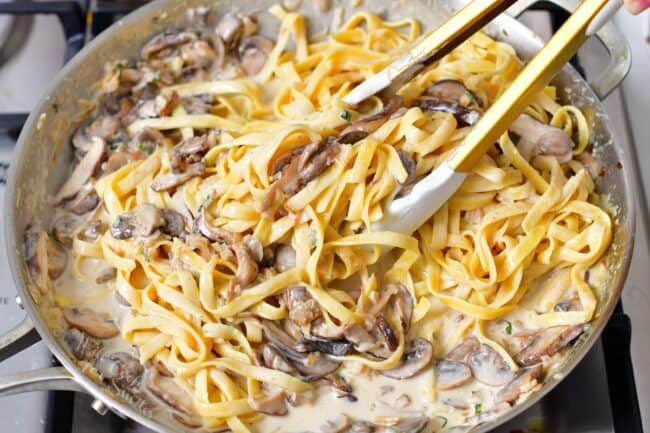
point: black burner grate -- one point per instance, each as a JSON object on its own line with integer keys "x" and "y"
{"x": 78, "y": 22}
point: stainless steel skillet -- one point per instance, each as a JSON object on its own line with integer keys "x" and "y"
{"x": 40, "y": 165}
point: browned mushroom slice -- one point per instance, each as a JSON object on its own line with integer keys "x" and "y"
{"x": 35, "y": 253}
{"x": 63, "y": 228}
{"x": 82, "y": 346}
{"x": 303, "y": 309}
{"x": 465, "y": 348}
{"x": 104, "y": 127}
{"x": 274, "y": 404}
{"x": 285, "y": 258}
{"x": 526, "y": 380}
{"x": 405, "y": 425}
{"x": 454, "y": 91}
{"x": 121, "y": 369}
{"x": 106, "y": 275}
{"x": 452, "y": 374}
{"x": 162, "y": 44}
{"x": 215, "y": 234}
{"x": 85, "y": 200}
{"x": 402, "y": 304}
{"x": 306, "y": 163}
{"x": 246, "y": 267}
{"x": 548, "y": 343}
{"x": 409, "y": 165}
{"x": 365, "y": 126}
{"x": 191, "y": 146}
{"x": 253, "y": 53}
{"x": 413, "y": 361}
{"x": 537, "y": 138}
{"x": 386, "y": 331}
{"x": 198, "y": 54}
{"x": 174, "y": 223}
{"x": 146, "y": 141}
{"x": 274, "y": 360}
{"x": 322, "y": 345}
{"x": 201, "y": 104}
{"x": 168, "y": 391}
{"x": 162, "y": 105}
{"x": 172, "y": 180}
{"x": 464, "y": 116}
{"x": 99, "y": 325}
{"x": 230, "y": 29}
{"x": 118, "y": 160}
{"x": 56, "y": 259}
{"x": 489, "y": 367}
{"x": 82, "y": 172}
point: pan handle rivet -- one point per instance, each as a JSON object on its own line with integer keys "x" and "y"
{"x": 19, "y": 302}
{"x": 99, "y": 406}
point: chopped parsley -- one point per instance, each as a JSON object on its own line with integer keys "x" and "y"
{"x": 118, "y": 68}
{"x": 55, "y": 107}
{"x": 508, "y": 327}
{"x": 346, "y": 115}
{"x": 156, "y": 77}
{"x": 145, "y": 148}
{"x": 477, "y": 408}
{"x": 118, "y": 222}
{"x": 469, "y": 95}
{"x": 145, "y": 254}
{"x": 206, "y": 202}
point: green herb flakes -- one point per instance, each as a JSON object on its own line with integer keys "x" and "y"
{"x": 477, "y": 408}
{"x": 144, "y": 252}
{"x": 508, "y": 327}
{"x": 144, "y": 148}
{"x": 346, "y": 115}
{"x": 55, "y": 107}
{"x": 117, "y": 223}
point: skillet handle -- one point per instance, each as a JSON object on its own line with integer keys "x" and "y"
{"x": 619, "y": 50}
{"x": 17, "y": 339}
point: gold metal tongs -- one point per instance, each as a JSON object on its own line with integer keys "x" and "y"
{"x": 407, "y": 213}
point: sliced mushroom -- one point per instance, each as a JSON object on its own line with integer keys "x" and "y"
{"x": 82, "y": 172}
{"x": 306, "y": 163}
{"x": 56, "y": 259}
{"x": 367, "y": 125}
{"x": 106, "y": 275}
{"x": 198, "y": 54}
{"x": 173, "y": 223}
{"x": 199, "y": 245}
{"x": 121, "y": 369}
{"x": 386, "y": 331}
{"x": 118, "y": 160}
{"x": 537, "y": 138}
{"x": 146, "y": 141}
{"x": 247, "y": 268}
{"x": 254, "y": 247}
{"x": 452, "y": 374}
{"x": 339, "y": 425}
{"x": 465, "y": 348}
{"x": 169, "y": 391}
{"x": 453, "y": 91}
{"x": 123, "y": 227}
{"x": 464, "y": 116}
{"x": 548, "y": 343}
{"x": 402, "y": 303}
{"x": 104, "y": 127}
{"x": 409, "y": 165}
{"x": 215, "y": 234}
{"x": 201, "y": 104}
{"x": 526, "y": 380}
{"x": 147, "y": 218}
{"x": 82, "y": 346}
{"x": 272, "y": 359}
{"x": 489, "y": 367}
{"x": 303, "y": 309}
{"x": 99, "y": 325}
{"x": 191, "y": 146}
{"x": 285, "y": 258}
{"x": 406, "y": 425}
{"x": 63, "y": 228}
{"x": 85, "y": 201}
{"x": 161, "y": 45}
{"x": 230, "y": 29}
{"x": 363, "y": 341}
{"x": 253, "y": 53}
{"x": 171, "y": 180}
{"x": 330, "y": 347}
{"x": 274, "y": 404}
{"x": 413, "y": 362}
{"x": 162, "y": 105}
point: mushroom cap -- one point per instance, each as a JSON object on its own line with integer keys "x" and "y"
{"x": 452, "y": 374}
{"x": 414, "y": 361}
{"x": 99, "y": 325}
{"x": 489, "y": 367}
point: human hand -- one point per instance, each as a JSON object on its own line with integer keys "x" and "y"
{"x": 636, "y": 6}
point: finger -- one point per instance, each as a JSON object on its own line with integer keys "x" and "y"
{"x": 636, "y": 6}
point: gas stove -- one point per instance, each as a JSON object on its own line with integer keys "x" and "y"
{"x": 38, "y": 37}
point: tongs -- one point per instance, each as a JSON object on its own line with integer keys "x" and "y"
{"x": 409, "y": 212}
